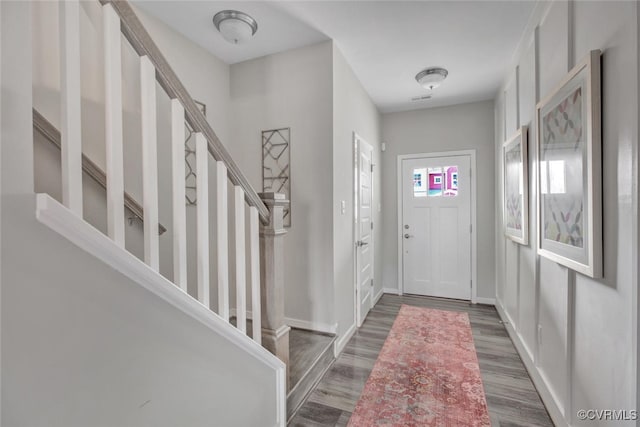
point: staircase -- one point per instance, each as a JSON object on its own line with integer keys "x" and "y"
{"x": 250, "y": 277}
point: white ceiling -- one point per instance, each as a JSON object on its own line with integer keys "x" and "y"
{"x": 386, "y": 42}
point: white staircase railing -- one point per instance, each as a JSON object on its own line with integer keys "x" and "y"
{"x": 119, "y": 18}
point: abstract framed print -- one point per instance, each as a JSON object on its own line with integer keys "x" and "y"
{"x": 569, "y": 185}
{"x": 516, "y": 187}
{"x": 276, "y": 165}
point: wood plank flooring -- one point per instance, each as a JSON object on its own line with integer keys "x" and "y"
{"x": 511, "y": 397}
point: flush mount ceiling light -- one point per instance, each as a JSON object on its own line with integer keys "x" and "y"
{"x": 431, "y": 77}
{"x": 236, "y": 27}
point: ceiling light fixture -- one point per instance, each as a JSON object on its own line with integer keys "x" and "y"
{"x": 431, "y": 77}
{"x": 236, "y": 27}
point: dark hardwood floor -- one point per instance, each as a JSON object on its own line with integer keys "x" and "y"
{"x": 511, "y": 397}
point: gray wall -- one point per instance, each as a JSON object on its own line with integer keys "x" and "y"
{"x": 460, "y": 127}
{"x": 353, "y": 111}
{"x": 83, "y": 345}
{"x": 294, "y": 89}
{"x": 585, "y": 351}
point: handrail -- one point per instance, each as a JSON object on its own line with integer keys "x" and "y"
{"x": 144, "y": 45}
{"x": 52, "y": 134}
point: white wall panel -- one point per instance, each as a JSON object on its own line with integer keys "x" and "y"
{"x": 553, "y": 308}
{"x": 499, "y": 239}
{"x": 511, "y": 105}
{"x": 553, "y": 327}
{"x": 527, "y": 278}
{"x": 604, "y": 308}
{"x": 554, "y": 47}
{"x": 511, "y": 280}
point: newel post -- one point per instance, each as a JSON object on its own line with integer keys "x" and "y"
{"x": 275, "y": 333}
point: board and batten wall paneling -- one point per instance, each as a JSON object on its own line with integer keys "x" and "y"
{"x": 511, "y": 249}
{"x": 604, "y": 309}
{"x": 576, "y": 333}
{"x": 527, "y": 262}
{"x": 552, "y": 324}
{"x": 499, "y": 240}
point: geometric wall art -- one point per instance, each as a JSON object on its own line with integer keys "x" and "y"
{"x": 190, "y": 158}
{"x": 569, "y": 185}
{"x": 516, "y": 188}
{"x": 276, "y": 166}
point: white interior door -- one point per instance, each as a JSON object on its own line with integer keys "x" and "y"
{"x": 363, "y": 228}
{"x": 436, "y": 226}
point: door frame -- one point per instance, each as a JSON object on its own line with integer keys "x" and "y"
{"x": 474, "y": 265}
{"x": 356, "y": 214}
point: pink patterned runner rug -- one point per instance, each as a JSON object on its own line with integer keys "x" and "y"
{"x": 427, "y": 374}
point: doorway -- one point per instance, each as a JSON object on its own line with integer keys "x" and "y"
{"x": 363, "y": 230}
{"x": 436, "y": 224}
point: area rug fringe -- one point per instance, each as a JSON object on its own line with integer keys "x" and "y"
{"x": 427, "y": 374}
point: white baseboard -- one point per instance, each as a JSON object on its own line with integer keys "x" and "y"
{"x": 538, "y": 380}
{"x": 486, "y": 301}
{"x": 312, "y": 326}
{"x": 392, "y": 291}
{"x": 343, "y": 340}
{"x": 299, "y": 324}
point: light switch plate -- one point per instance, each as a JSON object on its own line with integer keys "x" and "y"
{"x": 343, "y": 207}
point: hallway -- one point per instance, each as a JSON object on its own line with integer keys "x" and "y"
{"x": 511, "y": 396}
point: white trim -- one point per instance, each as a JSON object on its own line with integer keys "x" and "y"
{"x": 312, "y": 326}
{"x": 391, "y": 291}
{"x": 399, "y": 230}
{"x": 356, "y": 226}
{"x": 307, "y": 325}
{"x": 555, "y": 412}
{"x": 377, "y": 297}
{"x": 61, "y": 220}
{"x": 485, "y": 301}
{"x": 474, "y": 227}
{"x": 343, "y": 340}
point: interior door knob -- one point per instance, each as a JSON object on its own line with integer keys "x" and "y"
{"x": 360, "y": 243}
{"x": 407, "y": 236}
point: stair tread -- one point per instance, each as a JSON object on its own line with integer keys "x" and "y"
{"x": 305, "y": 347}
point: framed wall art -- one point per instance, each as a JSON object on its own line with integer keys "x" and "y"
{"x": 276, "y": 165}
{"x": 190, "y": 159}
{"x": 568, "y": 149}
{"x": 516, "y": 187}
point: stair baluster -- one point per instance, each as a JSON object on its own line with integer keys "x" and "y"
{"x": 178, "y": 195}
{"x": 239, "y": 240}
{"x": 149, "y": 162}
{"x": 222, "y": 239}
{"x": 70, "y": 129}
{"x": 113, "y": 124}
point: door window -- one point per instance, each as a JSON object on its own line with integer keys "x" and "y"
{"x": 435, "y": 182}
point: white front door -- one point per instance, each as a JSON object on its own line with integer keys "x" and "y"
{"x": 436, "y": 226}
{"x": 363, "y": 228}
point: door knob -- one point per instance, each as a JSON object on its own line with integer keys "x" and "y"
{"x": 360, "y": 243}
{"x": 407, "y": 236}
